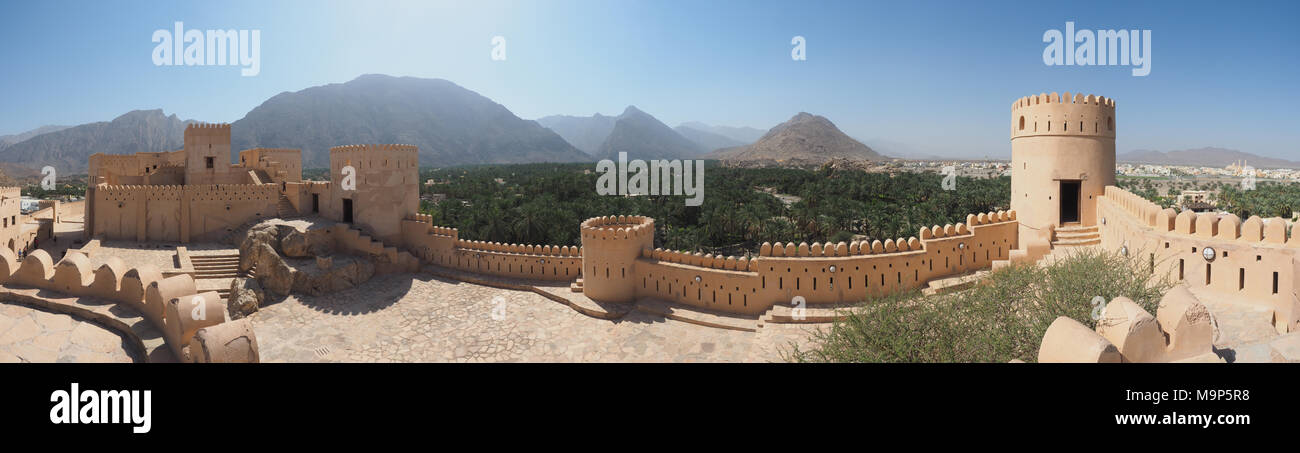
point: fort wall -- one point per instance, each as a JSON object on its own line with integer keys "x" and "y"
{"x": 1256, "y": 259}
{"x": 443, "y": 247}
{"x": 165, "y": 303}
{"x": 177, "y": 213}
{"x": 820, "y": 273}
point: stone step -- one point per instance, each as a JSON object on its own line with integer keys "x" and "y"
{"x": 1076, "y": 242}
{"x": 698, "y": 316}
{"x": 784, "y": 314}
{"x": 1076, "y": 229}
{"x": 198, "y": 276}
{"x": 1076, "y": 234}
{"x": 951, "y": 284}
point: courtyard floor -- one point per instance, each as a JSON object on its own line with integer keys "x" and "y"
{"x": 421, "y": 318}
{"x": 33, "y": 335}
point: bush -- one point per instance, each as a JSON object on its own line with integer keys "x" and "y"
{"x": 1000, "y": 319}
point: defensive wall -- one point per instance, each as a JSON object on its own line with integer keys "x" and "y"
{"x": 1255, "y": 258}
{"x": 195, "y": 325}
{"x": 176, "y": 213}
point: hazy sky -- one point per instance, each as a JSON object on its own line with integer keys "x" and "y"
{"x": 937, "y": 76}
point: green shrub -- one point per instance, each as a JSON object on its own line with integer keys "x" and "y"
{"x": 1000, "y": 319}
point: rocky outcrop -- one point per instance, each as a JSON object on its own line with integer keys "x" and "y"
{"x": 288, "y": 260}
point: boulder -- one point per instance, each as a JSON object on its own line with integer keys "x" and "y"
{"x": 295, "y": 244}
{"x": 272, "y": 272}
{"x": 245, "y": 297}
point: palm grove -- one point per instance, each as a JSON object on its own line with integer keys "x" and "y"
{"x": 544, "y": 203}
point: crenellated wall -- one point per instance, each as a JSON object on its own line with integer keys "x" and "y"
{"x": 176, "y": 213}
{"x": 822, "y": 273}
{"x": 172, "y": 304}
{"x": 1255, "y": 259}
{"x": 443, "y": 247}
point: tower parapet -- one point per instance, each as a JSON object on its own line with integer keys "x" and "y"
{"x": 610, "y": 248}
{"x": 1053, "y": 114}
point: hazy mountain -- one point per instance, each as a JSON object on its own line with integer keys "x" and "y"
{"x": 586, "y": 133}
{"x": 707, "y": 141}
{"x": 7, "y": 140}
{"x": 744, "y": 135}
{"x": 642, "y": 136}
{"x": 69, "y": 149}
{"x": 450, "y": 124}
{"x": 1204, "y": 157}
{"x": 806, "y": 138}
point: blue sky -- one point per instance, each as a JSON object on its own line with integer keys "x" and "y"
{"x": 936, "y": 76}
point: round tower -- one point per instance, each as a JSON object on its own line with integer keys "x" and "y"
{"x": 375, "y": 187}
{"x": 610, "y": 248}
{"x": 1062, "y": 159}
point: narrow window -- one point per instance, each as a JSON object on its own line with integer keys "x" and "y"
{"x": 1241, "y": 279}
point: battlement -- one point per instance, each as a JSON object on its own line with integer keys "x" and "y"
{"x": 519, "y": 249}
{"x": 1069, "y": 114}
{"x": 207, "y": 129}
{"x": 373, "y": 148}
{"x": 618, "y": 227}
{"x": 728, "y": 263}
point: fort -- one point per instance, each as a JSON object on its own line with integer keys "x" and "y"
{"x": 1063, "y": 197}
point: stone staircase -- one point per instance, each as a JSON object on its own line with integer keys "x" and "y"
{"x": 576, "y": 286}
{"x": 1076, "y": 236}
{"x": 215, "y": 272}
{"x": 284, "y": 208}
{"x": 358, "y": 242}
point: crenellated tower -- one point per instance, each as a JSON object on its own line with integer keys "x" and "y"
{"x": 610, "y": 248}
{"x": 1062, "y": 159}
{"x": 207, "y": 153}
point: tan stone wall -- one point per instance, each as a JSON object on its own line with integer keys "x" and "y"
{"x": 386, "y": 187}
{"x": 177, "y": 213}
{"x": 161, "y": 301}
{"x": 281, "y": 165}
{"x": 1256, "y": 259}
{"x": 10, "y": 213}
{"x": 443, "y": 247}
{"x": 821, "y": 273}
{"x": 1056, "y": 138}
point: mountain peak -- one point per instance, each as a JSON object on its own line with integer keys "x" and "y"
{"x": 803, "y": 138}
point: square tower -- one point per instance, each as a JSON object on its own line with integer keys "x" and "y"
{"x": 207, "y": 154}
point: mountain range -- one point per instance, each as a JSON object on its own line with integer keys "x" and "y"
{"x": 454, "y": 126}
{"x": 451, "y": 125}
{"x": 1204, "y": 157}
{"x": 69, "y": 148}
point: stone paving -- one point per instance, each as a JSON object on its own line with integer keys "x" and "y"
{"x": 421, "y": 318}
{"x": 1244, "y": 330}
{"x": 33, "y": 335}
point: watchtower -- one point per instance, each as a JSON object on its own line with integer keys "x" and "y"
{"x": 1062, "y": 159}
